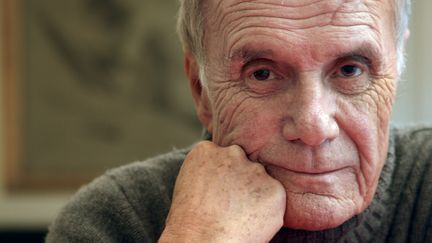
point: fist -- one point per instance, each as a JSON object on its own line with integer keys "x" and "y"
{"x": 221, "y": 196}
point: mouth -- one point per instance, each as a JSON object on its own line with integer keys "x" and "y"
{"x": 314, "y": 181}
{"x": 306, "y": 172}
{"x": 315, "y": 172}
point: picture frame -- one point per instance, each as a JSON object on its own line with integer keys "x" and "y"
{"x": 90, "y": 85}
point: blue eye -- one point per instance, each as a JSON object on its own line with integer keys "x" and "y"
{"x": 262, "y": 74}
{"x": 350, "y": 71}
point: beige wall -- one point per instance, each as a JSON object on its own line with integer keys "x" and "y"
{"x": 414, "y": 104}
{"x": 36, "y": 210}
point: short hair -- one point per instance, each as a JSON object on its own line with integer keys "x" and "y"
{"x": 402, "y": 13}
{"x": 191, "y": 31}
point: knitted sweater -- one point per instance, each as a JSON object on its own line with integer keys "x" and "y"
{"x": 130, "y": 203}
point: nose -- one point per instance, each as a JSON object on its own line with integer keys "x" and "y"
{"x": 311, "y": 116}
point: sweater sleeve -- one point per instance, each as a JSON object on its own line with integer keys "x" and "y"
{"x": 410, "y": 206}
{"x": 100, "y": 212}
{"x": 127, "y": 204}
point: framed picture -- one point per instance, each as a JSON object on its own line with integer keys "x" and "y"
{"x": 90, "y": 85}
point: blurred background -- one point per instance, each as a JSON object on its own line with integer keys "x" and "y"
{"x": 87, "y": 85}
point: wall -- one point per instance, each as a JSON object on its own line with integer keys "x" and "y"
{"x": 23, "y": 210}
{"x": 37, "y": 210}
{"x": 413, "y": 104}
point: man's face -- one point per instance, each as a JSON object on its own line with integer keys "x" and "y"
{"x": 305, "y": 88}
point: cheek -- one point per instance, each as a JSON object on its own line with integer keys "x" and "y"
{"x": 246, "y": 121}
{"x": 365, "y": 119}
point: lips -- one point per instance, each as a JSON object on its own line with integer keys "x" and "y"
{"x": 321, "y": 182}
{"x": 321, "y": 170}
{"x": 315, "y": 172}
{"x": 303, "y": 160}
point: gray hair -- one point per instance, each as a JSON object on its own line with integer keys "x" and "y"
{"x": 402, "y": 12}
{"x": 191, "y": 31}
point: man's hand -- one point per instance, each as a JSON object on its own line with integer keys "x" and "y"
{"x": 221, "y": 196}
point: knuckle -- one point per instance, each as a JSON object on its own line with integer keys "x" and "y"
{"x": 202, "y": 148}
{"x": 278, "y": 189}
{"x": 199, "y": 152}
{"x": 236, "y": 151}
{"x": 258, "y": 168}
{"x": 204, "y": 145}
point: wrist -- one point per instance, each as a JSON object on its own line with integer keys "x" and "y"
{"x": 191, "y": 235}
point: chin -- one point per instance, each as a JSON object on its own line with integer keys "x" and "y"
{"x": 314, "y": 212}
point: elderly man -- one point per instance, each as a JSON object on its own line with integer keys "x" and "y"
{"x": 296, "y": 97}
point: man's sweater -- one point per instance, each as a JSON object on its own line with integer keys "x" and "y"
{"x": 130, "y": 203}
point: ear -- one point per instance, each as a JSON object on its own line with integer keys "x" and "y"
{"x": 199, "y": 93}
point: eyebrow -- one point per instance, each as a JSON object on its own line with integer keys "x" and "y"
{"x": 365, "y": 52}
{"x": 247, "y": 54}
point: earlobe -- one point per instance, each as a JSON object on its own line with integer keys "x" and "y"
{"x": 199, "y": 93}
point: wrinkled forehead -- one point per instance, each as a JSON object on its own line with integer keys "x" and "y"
{"x": 327, "y": 23}
{"x": 298, "y": 6}
{"x": 302, "y": 14}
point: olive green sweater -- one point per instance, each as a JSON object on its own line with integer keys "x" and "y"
{"x": 130, "y": 203}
